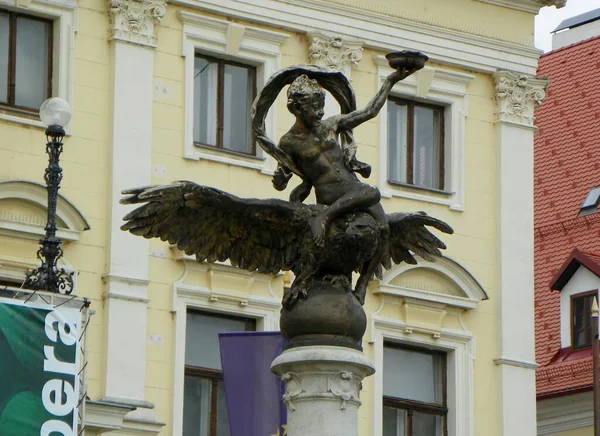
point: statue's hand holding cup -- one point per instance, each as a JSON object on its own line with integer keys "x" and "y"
{"x": 406, "y": 62}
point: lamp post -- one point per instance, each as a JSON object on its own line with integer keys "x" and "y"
{"x": 595, "y": 363}
{"x": 55, "y": 113}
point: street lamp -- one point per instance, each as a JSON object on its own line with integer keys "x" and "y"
{"x": 55, "y": 113}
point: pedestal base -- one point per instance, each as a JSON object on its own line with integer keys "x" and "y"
{"x": 322, "y": 389}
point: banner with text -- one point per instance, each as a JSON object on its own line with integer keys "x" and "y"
{"x": 39, "y": 363}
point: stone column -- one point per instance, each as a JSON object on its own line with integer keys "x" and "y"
{"x": 322, "y": 389}
{"x": 125, "y": 308}
{"x": 516, "y": 97}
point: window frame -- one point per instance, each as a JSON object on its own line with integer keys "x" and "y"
{"x": 12, "y": 46}
{"x": 411, "y": 406}
{"x": 251, "y": 45}
{"x": 221, "y": 62}
{"x": 587, "y": 320}
{"x": 214, "y": 376}
{"x": 409, "y": 164}
{"x": 441, "y": 87}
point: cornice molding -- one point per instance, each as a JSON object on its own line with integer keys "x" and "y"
{"x": 133, "y": 20}
{"x": 531, "y": 6}
{"x": 560, "y": 414}
{"x": 516, "y": 97}
{"x": 382, "y": 30}
{"x": 516, "y": 363}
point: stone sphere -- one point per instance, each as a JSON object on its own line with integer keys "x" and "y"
{"x": 330, "y": 315}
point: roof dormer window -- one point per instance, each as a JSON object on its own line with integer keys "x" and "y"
{"x": 590, "y": 204}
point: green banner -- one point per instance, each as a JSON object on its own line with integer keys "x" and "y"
{"x": 39, "y": 364}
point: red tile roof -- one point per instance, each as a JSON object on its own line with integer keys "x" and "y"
{"x": 567, "y": 166}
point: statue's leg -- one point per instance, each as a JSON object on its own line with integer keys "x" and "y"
{"x": 369, "y": 269}
{"x": 360, "y": 197}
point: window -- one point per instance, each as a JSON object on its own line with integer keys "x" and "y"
{"x": 414, "y": 392}
{"x": 204, "y": 408}
{"x": 223, "y": 95}
{"x": 590, "y": 204}
{"x": 415, "y": 144}
{"x": 581, "y": 312}
{"x": 25, "y": 60}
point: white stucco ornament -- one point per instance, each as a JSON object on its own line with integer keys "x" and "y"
{"x": 133, "y": 20}
{"x": 334, "y": 53}
{"x": 517, "y": 95}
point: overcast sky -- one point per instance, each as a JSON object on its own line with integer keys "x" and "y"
{"x": 550, "y": 17}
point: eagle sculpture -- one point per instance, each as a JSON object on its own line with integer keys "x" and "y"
{"x": 273, "y": 235}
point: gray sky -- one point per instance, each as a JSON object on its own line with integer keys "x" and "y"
{"x": 550, "y": 17}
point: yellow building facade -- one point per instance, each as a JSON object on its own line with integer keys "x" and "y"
{"x": 132, "y": 72}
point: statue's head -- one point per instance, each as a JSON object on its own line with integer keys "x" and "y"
{"x": 306, "y": 99}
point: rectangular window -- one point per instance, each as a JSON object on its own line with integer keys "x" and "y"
{"x": 25, "y": 60}
{"x": 415, "y": 144}
{"x": 204, "y": 408}
{"x": 414, "y": 392}
{"x": 223, "y": 95}
{"x": 581, "y": 312}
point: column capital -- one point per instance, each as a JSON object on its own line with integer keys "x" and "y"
{"x": 334, "y": 52}
{"x": 557, "y": 3}
{"x": 516, "y": 97}
{"x": 133, "y": 20}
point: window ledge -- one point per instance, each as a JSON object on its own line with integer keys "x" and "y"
{"x": 421, "y": 188}
{"x": 203, "y": 152}
{"x": 21, "y": 117}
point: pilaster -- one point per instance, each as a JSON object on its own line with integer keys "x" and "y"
{"x": 133, "y": 39}
{"x": 516, "y": 97}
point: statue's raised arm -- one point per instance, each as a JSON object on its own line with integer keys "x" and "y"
{"x": 405, "y": 64}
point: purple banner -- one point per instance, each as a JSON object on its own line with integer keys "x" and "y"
{"x": 253, "y": 393}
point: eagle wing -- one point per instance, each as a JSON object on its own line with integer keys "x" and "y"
{"x": 263, "y": 235}
{"x": 409, "y": 234}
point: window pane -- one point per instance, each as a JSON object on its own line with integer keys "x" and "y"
{"x": 196, "y": 407}
{"x": 412, "y": 375}
{"x": 202, "y": 337}
{"x": 591, "y": 200}
{"x": 32, "y": 57}
{"x": 397, "y": 142}
{"x": 426, "y": 154}
{"x": 237, "y": 98}
{"x": 205, "y": 101}
{"x": 582, "y": 328}
{"x": 222, "y": 416}
{"x": 426, "y": 425}
{"x": 394, "y": 422}
{"x": 3, "y": 57}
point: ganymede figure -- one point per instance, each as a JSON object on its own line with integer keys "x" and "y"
{"x": 347, "y": 230}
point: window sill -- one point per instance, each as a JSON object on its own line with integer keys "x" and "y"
{"x": 436, "y": 196}
{"x": 421, "y": 188}
{"x": 206, "y": 152}
{"x": 20, "y": 116}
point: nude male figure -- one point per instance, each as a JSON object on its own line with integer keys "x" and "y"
{"x": 312, "y": 143}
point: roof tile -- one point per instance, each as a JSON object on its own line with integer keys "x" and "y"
{"x": 566, "y": 163}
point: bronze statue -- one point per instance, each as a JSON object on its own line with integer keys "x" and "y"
{"x": 322, "y": 244}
